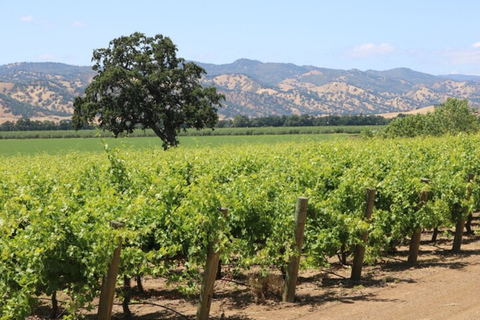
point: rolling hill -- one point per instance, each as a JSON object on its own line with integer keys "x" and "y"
{"x": 253, "y": 88}
{"x": 41, "y": 90}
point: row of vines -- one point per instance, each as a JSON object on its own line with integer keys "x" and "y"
{"x": 55, "y": 210}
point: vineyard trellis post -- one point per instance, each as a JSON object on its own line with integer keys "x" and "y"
{"x": 209, "y": 276}
{"x": 415, "y": 240}
{"x": 360, "y": 248}
{"x": 457, "y": 240}
{"x": 107, "y": 293}
{"x": 294, "y": 262}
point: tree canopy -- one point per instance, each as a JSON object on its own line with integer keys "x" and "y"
{"x": 451, "y": 117}
{"x": 141, "y": 83}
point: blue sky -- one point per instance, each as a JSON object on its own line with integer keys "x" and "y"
{"x": 437, "y": 37}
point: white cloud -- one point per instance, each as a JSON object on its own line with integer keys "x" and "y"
{"x": 463, "y": 56}
{"x": 46, "y": 57}
{"x": 26, "y": 19}
{"x": 79, "y": 24}
{"x": 368, "y": 50}
{"x": 476, "y": 45}
{"x": 40, "y": 22}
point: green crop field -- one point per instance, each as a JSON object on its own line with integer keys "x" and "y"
{"x": 52, "y": 134}
{"x": 10, "y": 147}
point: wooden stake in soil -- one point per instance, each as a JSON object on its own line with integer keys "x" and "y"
{"x": 108, "y": 283}
{"x": 360, "y": 248}
{"x": 414, "y": 246}
{"x": 457, "y": 240}
{"x": 415, "y": 241}
{"x": 294, "y": 263}
{"x": 209, "y": 275}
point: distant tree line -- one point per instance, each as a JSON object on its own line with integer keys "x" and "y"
{"x": 26, "y": 124}
{"x": 241, "y": 121}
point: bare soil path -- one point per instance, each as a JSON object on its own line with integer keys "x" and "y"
{"x": 441, "y": 286}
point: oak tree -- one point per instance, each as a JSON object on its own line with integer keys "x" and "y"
{"x": 141, "y": 83}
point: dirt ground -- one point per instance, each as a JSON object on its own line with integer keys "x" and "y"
{"x": 441, "y": 286}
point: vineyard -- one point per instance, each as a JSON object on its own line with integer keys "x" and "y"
{"x": 56, "y": 211}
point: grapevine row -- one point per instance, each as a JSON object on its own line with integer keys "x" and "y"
{"x": 55, "y": 210}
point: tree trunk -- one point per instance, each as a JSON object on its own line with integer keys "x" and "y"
{"x": 171, "y": 136}
{"x": 54, "y": 306}
{"x": 126, "y": 297}
{"x": 168, "y": 135}
{"x": 219, "y": 270}
{"x": 343, "y": 255}
{"x": 434, "y": 235}
{"x": 468, "y": 224}
{"x": 138, "y": 279}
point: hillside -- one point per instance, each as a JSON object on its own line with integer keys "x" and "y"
{"x": 260, "y": 89}
{"x": 41, "y": 90}
{"x": 47, "y": 90}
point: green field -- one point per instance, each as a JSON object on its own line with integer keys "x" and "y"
{"x": 52, "y": 134}
{"x": 10, "y": 147}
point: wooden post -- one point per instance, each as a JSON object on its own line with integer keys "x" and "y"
{"x": 414, "y": 246}
{"x": 209, "y": 275}
{"x": 360, "y": 248}
{"x": 415, "y": 240}
{"x": 457, "y": 240}
{"x": 108, "y": 283}
{"x": 294, "y": 263}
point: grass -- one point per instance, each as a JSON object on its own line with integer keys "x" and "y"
{"x": 9, "y": 147}
{"x": 191, "y": 132}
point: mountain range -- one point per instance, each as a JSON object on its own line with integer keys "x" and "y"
{"x": 252, "y": 88}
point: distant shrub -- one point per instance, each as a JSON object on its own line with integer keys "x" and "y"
{"x": 452, "y": 117}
